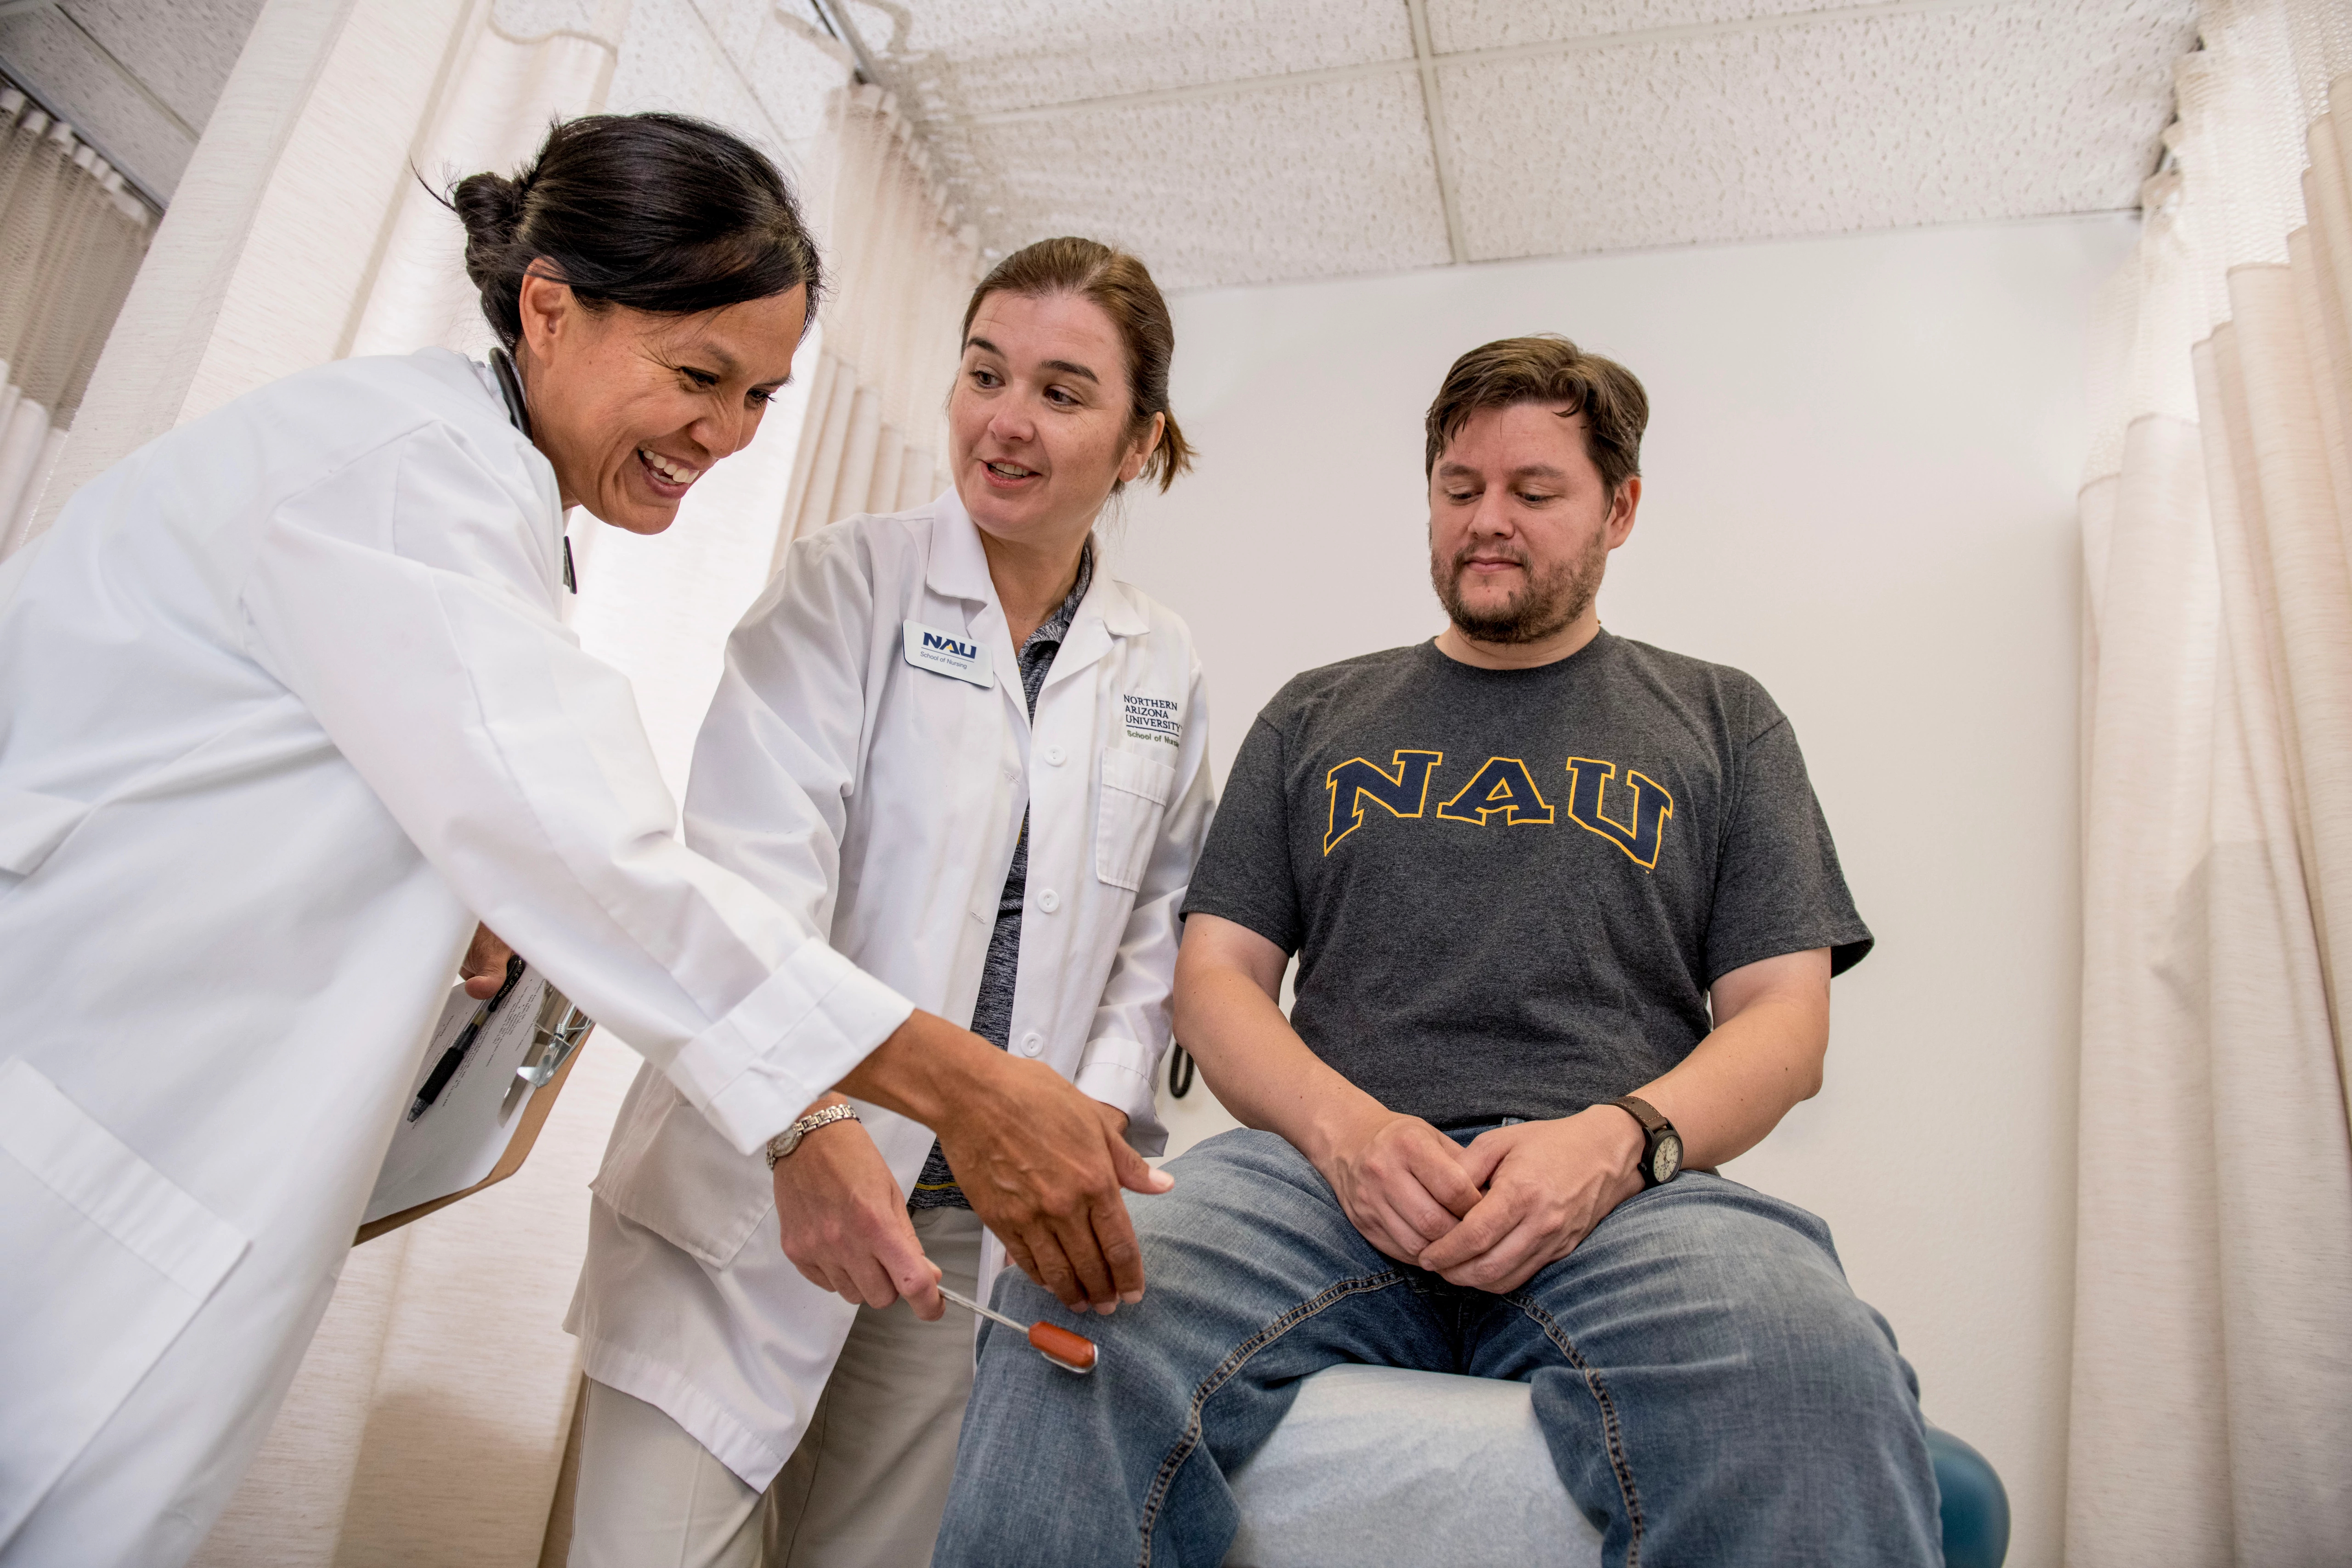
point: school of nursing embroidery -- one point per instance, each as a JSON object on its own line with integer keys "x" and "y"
{"x": 1631, "y": 812}
{"x": 1153, "y": 718}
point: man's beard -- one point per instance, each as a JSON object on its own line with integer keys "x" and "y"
{"x": 1544, "y": 604}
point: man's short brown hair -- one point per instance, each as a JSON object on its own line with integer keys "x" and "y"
{"x": 1547, "y": 368}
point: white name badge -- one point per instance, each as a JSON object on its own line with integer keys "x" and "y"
{"x": 956, "y": 654}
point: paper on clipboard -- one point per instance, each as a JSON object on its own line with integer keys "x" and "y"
{"x": 457, "y": 1140}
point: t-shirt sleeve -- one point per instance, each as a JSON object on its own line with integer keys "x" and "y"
{"x": 1244, "y": 873}
{"x": 1778, "y": 888}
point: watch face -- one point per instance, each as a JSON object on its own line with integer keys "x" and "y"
{"x": 1666, "y": 1158}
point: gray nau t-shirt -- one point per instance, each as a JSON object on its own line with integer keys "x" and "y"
{"x": 1509, "y": 890}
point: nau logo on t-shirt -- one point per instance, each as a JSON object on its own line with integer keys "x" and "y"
{"x": 1630, "y": 813}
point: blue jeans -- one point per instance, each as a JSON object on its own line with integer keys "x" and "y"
{"x": 1712, "y": 1392}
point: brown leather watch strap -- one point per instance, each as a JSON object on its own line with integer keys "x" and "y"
{"x": 1657, "y": 1131}
{"x": 1644, "y": 1112}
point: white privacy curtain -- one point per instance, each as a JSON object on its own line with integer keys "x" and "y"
{"x": 903, "y": 268}
{"x": 2212, "y": 1390}
{"x": 71, "y": 240}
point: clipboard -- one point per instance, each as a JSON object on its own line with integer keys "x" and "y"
{"x": 474, "y": 1126}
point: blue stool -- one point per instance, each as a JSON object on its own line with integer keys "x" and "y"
{"x": 1976, "y": 1506}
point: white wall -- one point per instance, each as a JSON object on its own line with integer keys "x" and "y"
{"x": 1860, "y": 481}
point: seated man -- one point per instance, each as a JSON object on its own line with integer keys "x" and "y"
{"x": 1566, "y": 912}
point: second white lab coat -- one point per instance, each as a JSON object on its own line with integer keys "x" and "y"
{"x": 284, "y": 703}
{"x": 881, "y": 802}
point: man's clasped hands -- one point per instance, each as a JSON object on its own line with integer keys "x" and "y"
{"x": 1487, "y": 1213}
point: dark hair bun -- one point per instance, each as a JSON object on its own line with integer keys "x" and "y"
{"x": 656, "y": 212}
{"x": 491, "y": 206}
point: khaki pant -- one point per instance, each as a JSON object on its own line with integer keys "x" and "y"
{"x": 865, "y": 1488}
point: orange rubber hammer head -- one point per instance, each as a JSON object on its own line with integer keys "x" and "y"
{"x": 1074, "y": 1353}
{"x": 1071, "y": 1352}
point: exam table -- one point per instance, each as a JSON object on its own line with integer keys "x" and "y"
{"x": 1378, "y": 1464}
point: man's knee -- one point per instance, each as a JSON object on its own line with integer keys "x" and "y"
{"x": 1802, "y": 1334}
{"x": 1228, "y": 1189}
{"x": 1762, "y": 1297}
{"x": 1830, "y": 1352}
{"x": 1235, "y": 1167}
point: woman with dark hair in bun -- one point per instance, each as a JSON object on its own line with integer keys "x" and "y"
{"x": 286, "y": 709}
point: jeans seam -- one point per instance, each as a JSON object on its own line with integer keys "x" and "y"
{"x": 1618, "y": 1462}
{"x": 1237, "y": 1358}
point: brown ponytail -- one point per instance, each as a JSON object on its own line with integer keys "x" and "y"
{"x": 1122, "y": 286}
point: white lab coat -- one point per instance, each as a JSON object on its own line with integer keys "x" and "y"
{"x": 881, "y": 803}
{"x": 284, "y": 703}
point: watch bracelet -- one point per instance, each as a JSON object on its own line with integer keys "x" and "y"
{"x": 791, "y": 1136}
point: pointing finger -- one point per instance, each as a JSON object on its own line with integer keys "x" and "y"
{"x": 1135, "y": 1173}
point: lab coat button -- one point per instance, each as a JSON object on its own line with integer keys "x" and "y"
{"x": 1049, "y": 901}
{"x": 1055, "y": 755}
{"x": 1032, "y": 1044}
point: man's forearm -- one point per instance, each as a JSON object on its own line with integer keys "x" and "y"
{"x": 1257, "y": 1065}
{"x": 1738, "y": 1082}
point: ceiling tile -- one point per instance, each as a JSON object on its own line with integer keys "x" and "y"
{"x": 1295, "y": 182}
{"x": 738, "y": 24}
{"x": 670, "y": 60}
{"x": 1455, "y": 26}
{"x": 62, "y": 69}
{"x": 794, "y": 78}
{"x": 1871, "y": 122}
{"x": 183, "y": 51}
{"x": 979, "y": 57}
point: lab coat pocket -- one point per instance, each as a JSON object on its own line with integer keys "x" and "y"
{"x": 110, "y": 1261}
{"x": 1135, "y": 791}
{"x": 670, "y": 1171}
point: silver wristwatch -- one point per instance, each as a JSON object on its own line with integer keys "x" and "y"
{"x": 785, "y": 1142}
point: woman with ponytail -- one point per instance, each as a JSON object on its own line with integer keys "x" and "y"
{"x": 288, "y": 707}
{"x": 962, "y": 746}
